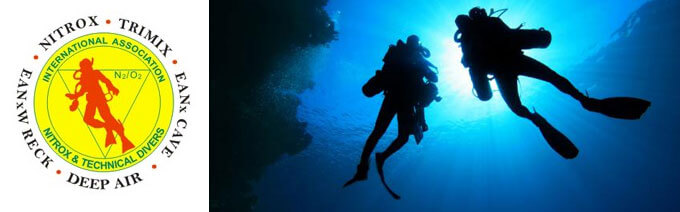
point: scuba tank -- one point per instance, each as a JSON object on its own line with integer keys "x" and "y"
{"x": 380, "y": 82}
{"x": 480, "y": 85}
{"x": 375, "y": 85}
{"x": 520, "y": 38}
{"x": 531, "y": 38}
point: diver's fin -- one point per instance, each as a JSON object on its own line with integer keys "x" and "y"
{"x": 618, "y": 107}
{"x": 110, "y": 139}
{"x": 380, "y": 161}
{"x": 557, "y": 141}
{"x": 360, "y": 175}
{"x": 352, "y": 181}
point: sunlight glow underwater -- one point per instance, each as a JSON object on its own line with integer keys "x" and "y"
{"x": 477, "y": 156}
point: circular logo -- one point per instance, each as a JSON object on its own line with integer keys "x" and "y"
{"x": 103, "y": 102}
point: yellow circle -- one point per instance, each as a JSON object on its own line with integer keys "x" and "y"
{"x": 76, "y": 87}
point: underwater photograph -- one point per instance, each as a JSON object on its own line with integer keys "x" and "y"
{"x": 443, "y": 105}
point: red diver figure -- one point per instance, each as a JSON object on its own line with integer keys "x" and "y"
{"x": 96, "y": 100}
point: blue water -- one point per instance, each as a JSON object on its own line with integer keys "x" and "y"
{"x": 478, "y": 156}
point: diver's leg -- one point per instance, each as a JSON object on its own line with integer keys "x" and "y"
{"x": 105, "y": 113}
{"x": 397, "y": 144}
{"x": 406, "y": 118}
{"x": 116, "y": 125}
{"x": 387, "y": 112}
{"x": 618, "y": 107}
{"x": 88, "y": 117}
{"x": 385, "y": 116}
{"x": 109, "y": 120}
{"x": 560, "y": 143}
{"x": 507, "y": 85}
{"x": 535, "y": 69}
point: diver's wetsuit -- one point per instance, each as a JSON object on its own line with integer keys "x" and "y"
{"x": 491, "y": 47}
{"x": 402, "y": 80}
{"x": 400, "y": 83}
{"x": 401, "y": 98}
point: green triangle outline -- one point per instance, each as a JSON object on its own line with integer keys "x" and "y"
{"x": 126, "y": 115}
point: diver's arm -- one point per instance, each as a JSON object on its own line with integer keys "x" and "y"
{"x": 107, "y": 82}
{"x": 80, "y": 93}
{"x": 426, "y": 70}
{"x": 77, "y": 94}
{"x": 431, "y": 76}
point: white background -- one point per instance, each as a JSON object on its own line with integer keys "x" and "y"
{"x": 178, "y": 184}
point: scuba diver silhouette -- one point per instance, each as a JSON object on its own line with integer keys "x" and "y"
{"x": 490, "y": 47}
{"x": 406, "y": 95}
{"x": 96, "y": 101}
